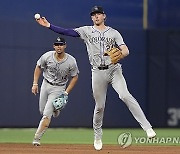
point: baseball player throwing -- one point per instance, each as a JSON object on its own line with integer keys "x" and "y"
{"x": 105, "y": 47}
{"x": 57, "y": 67}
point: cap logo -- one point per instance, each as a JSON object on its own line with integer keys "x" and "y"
{"x": 58, "y": 39}
{"x": 96, "y": 8}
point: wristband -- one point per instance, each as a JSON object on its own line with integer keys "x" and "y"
{"x": 65, "y": 92}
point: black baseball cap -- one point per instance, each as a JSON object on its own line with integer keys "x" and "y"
{"x": 97, "y": 9}
{"x": 60, "y": 41}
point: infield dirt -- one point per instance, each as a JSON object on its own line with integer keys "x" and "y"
{"x": 85, "y": 149}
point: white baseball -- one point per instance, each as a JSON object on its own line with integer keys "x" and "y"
{"x": 37, "y": 16}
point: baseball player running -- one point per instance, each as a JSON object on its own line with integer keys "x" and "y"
{"x": 99, "y": 40}
{"x": 57, "y": 67}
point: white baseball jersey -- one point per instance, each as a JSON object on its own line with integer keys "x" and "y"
{"x": 97, "y": 42}
{"x": 57, "y": 72}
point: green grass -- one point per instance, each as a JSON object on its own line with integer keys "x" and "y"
{"x": 81, "y": 135}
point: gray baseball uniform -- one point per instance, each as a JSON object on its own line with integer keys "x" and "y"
{"x": 97, "y": 43}
{"x": 56, "y": 76}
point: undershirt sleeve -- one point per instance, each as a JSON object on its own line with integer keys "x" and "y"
{"x": 64, "y": 31}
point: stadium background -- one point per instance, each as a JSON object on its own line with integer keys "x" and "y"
{"x": 152, "y": 70}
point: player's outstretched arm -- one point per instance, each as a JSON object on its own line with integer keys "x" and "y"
{"x": 64, "y": 31}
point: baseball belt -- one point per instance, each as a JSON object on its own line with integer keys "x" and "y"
{"x": 103, "y": 67}
{"x": 54, "y": 84}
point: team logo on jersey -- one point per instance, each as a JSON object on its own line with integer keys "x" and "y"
{"x": 103, "y": 39}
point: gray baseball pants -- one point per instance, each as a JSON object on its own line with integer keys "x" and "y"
{"x": 47, "y": 94}
{"x": 100, "y": 81}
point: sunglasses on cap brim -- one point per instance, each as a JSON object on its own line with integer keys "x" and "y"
{"x": 57, "y": 44}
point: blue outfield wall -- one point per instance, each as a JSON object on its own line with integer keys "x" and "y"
{"x": 21, "y": 47}
{"x": 122, "y": 13}
{"x": 163, "y": 77}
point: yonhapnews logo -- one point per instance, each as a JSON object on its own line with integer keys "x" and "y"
{"x": 126, "y": 139}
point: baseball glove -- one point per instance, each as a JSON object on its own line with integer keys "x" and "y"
{"x": 60, "y": 102}
{"x": 115, "y": 54}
